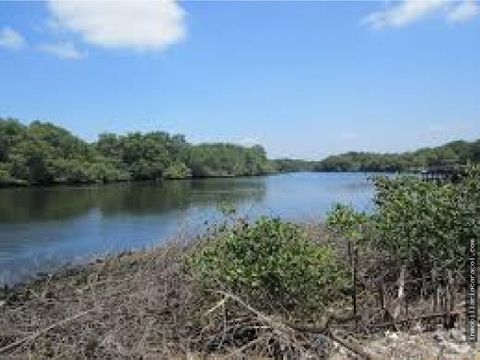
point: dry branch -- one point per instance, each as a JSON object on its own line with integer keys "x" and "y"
{"x": 43, "y": 331}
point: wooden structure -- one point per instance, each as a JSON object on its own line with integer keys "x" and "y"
{"x": 442, "y": 173}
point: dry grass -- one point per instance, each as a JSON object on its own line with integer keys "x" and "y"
{"x": 140, "y": 305}
{"x": 145, "y": 305}
{"x": 136, "y": 305}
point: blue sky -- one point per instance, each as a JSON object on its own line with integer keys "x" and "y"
{"x": 305, "y": 79}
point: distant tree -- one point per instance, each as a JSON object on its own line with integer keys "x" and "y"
{"x": 43, "y": 153}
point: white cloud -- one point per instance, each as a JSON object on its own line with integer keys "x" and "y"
{"x": 403, "y": 13}
{"x": 408, "y": 11}
{"x": 465, "y": 11}
{"x": 11, "y": 39}
{"x": 63, "y": 50}
{"x": 138, "y": 24}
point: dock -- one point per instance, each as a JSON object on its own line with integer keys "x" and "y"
{"x": 442, "y": 173}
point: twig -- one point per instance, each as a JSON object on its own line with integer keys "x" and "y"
{"x": 217, "y": 305}
{"x": 324, "y": 325}
{"x": 420, "y": 317}
{"x": 321, "y": 328}
{"x": 245, "y": 347}
{"x": 43, "y": 331}
{"x": 356, "y": 349}
{"x": 265, "y": 318}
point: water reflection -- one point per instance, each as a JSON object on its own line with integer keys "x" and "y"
{"x": 62, "y": 203}
{"x": 41, "y": 228}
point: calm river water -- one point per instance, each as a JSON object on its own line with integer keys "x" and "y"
{"x": 41, "y": 228}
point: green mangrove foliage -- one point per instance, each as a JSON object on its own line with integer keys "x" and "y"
{"x": 208, "y": 160}
{"x": 348, "y": 222}
{"x": 272, "y": 263}
{"x": 427, "y": 225}
{"x": 457, "y": 152}
{"x": 454, "y": 153}
{"x": 294, "y": 165}
{"x": 420, "y": 225}
{"x": 42, "y": 153}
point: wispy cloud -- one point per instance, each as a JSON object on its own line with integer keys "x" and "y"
{"x": 465, "y": 11}
{"x": 408, "y": 11}
{"x": 137, "y": 25}
{"x": 63, "y": 50}
{"x": 11, "y": 39}
{"x": 403, "y": 13}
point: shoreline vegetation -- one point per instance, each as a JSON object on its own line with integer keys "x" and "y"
{"x": 44, "y": 154}
{"x": 270, "y": 288}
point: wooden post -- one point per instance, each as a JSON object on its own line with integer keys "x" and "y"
{"x": 406, "y": 301}
{"x": 449, "y": 301}
{"x": 452, "y": 291}
{"x": 382, "y": 295}
{"x": 423, "y": 290}
{"x": 401, "y": 293}
{"x": 401, "y": 282}
{"x": 354, "y": 279}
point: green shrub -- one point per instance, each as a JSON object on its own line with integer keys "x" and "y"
{"x": 427, "y": 224}
{"x": 348, "y": 222}
{"x": 4, "y": 175}
{"x": 272, "y": 264}
{"x": 177, "y": 170}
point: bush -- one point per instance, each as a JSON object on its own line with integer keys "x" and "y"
{"x": 4, "y": 175}
{"x": 427, "y": 225}
{"x": 271, "y": 263}
{"x": 177, "y": 170}
{"x": 348, "y": 222}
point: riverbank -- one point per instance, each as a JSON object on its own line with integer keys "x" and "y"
{"x": 13, "y": 183}
{"x": 69, "y": 223}
{"x": 153, "y": 304}
{"x": 112, "y": 308}
{"x": 371, "y": 286}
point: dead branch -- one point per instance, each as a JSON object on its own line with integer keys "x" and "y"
{"x": 43, "y": 331}
{"x": 417, "y": 318}
{"x": 356, "y": 349}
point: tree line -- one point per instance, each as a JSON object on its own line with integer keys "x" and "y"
{"x": 43, "y": 153}
{"x": 453, "y": 153}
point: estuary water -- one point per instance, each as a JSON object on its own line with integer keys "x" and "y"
{"x": 42, "y": 228}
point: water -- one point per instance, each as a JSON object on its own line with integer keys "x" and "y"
{"x": 41, "y": 228}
